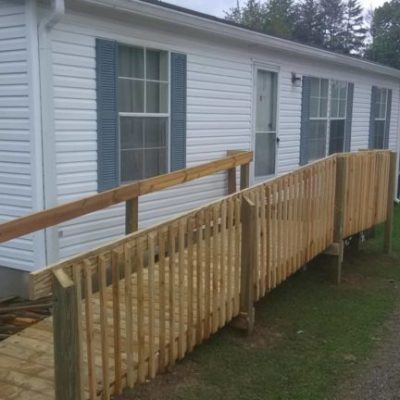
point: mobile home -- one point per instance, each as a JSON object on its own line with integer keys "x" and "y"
{"x": 98, "y": 93}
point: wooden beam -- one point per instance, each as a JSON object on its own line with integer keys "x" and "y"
{"x": 340, "y": 201}
{"x": 232, "y": 174}
{"x": 56, "y": 215}
{"x": 132, "y": 215}
{"x": 244, "y": 176}
{"x": 67, "y": 347}
{"x": 248, "y": 263}
{"x": 390, "y": 204}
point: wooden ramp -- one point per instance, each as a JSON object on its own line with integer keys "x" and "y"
{"x": 186, "y": 278}
{"x": 26, "y": 359}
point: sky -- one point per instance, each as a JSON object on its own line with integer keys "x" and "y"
{"x": 217, "y": 7}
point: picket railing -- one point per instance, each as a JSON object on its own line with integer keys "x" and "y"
{"x": 127, "y": 310}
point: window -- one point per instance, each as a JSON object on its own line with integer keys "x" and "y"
{"x": 265, "y": 123}
{"x": 379, "y": 110}
{"x": 327, "y": 118}
{"x": 143, "y": 108}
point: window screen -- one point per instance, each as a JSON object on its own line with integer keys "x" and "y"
{"x": 143, "y": 112}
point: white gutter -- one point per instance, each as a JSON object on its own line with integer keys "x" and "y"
{"x": 57, "y": 13}
{"x": 180, "y": 18}
{"x": 45, "y": 26}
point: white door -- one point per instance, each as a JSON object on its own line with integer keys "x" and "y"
{"x": 265, "y": 142}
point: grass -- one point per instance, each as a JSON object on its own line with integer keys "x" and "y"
{"x": 311, "y": 336}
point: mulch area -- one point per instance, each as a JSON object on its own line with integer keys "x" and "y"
{"x": 17, "y": 314}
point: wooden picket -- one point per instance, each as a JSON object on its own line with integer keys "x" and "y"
{"x": 142, "y": 302}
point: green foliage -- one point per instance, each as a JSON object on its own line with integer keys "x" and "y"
{"x": 309, "y": 23}
{"x": 280, "y": 18}
{"x": 354, "y": 33}
{"x": 332, "y": 24}
{"x": 385, "y": 31}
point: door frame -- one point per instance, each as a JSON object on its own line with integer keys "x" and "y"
{"x": 258, "y": 65}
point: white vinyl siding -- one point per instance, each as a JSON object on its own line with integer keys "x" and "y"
{"x": 212, "y": 129}
{"x": 16, "y": 173}
{"x": 219, "y": 115}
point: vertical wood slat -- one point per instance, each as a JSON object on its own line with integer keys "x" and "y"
{"x": 199, "y": 276}
{"x": 279, "y": 243}
{"x": 390, "y": 203}
{"x": 67, "y": 346}
{"x": 268, "y": 239}
{"x": 77, "y": 278}
{"x": 171, "y": 290}
{"x": 140, "y": 310}
{"x": 222, "y": 260}
{"x": 207, "y": 272}
{"x": 275, "y": 234}
{"x": 151, "y": 294}
{"x": 257, "y": 283}
{"x": 181, "y": 286}
{"x": 215, "y": 269}
{"x": 237, "y": 206}
{"x": 88, "y": 289}
{"x": 230, "y": 262}
{"x": 128, "y": 315}
{"x": 115, "y": 257}
{"x": 190, "y": 276}
{"x": 105, "y": 363}
{"x": 162, "y": 297}
{"x": 295, "y": 222}
{"x": 264, "y": 242}
{"x": 291, "y": 223}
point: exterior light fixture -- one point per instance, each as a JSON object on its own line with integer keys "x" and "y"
{"x": 296, "y": 80}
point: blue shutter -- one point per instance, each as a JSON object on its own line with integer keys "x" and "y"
{"x": 107, "y": 114}
{"x": 178, "y": 111}
{"x": 305, "y": 120}
{"x": 349, "y": 117}
{"x": 387, "y": 122}
{"x": 372, "y": 118}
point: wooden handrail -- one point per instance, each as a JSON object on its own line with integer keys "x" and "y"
{"x": 56, "y": 215}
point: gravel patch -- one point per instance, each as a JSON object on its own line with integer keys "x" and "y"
{"x": 380, "y": 380}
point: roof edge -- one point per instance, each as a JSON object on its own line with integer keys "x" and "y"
{"x": 188, "y": 18}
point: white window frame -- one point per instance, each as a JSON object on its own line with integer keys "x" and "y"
{"x": 382, "y": 119}
{"x": 386, "y": 105}
{"x": 144, "y": 114}
{"x": 328, "y": 117}
{"x": 259, "y": 65}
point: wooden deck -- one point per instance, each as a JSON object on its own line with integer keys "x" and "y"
{"x": 26, "y": 359}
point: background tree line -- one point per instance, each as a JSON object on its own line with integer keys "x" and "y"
{"x": 337, "y": 25}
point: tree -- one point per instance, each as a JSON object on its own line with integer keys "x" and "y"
{"x": 336, "y": 25}
{"x": 354, "y": 33}
{"x": 385, "y": 32}
{"x": 332, "y": 24}
{"x": 275, "y": 17}
{"x": 252, "y": 15}
{"x": 280, "y": 18}
{"x": 308, "y": 26}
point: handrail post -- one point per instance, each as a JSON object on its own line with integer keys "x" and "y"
{"x": 340, "y": 199}
{"x": 248, "y": 263}
{"x": 67, "y": 346}
{"x": 390, "y": 204}
{"x": 231, "y": 175}
{"x": 244, "y": 176}
{"x": 132, "y": 215}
